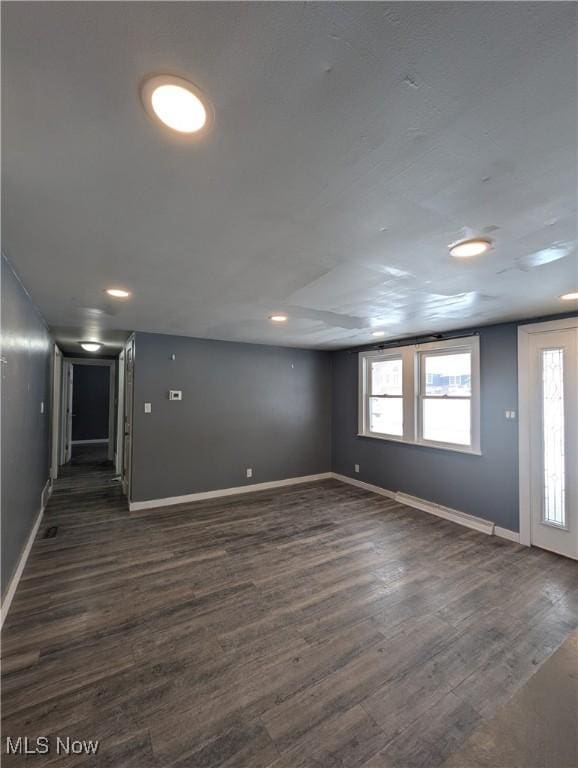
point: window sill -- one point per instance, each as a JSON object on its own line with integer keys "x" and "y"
{"x": 435, "y": 446}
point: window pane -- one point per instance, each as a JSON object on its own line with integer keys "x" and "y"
{"x": 447, "y": 421}
{"x": 386, "y": 415}
{"x": 448, "y": 374}
{"x": 386, "y": 377}
{"x": 553, "y": 430}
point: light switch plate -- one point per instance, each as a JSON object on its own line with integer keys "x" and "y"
{"x": 148, "y": 408}
{"x": 175, "y": 394}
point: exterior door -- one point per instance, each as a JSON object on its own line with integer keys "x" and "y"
{"x": 128, "y": 390}
{"x": 553, "y": 440}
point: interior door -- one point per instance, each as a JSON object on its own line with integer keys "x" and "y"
{"x": 66, "y": 412}
{"x": 128, "y": 390}
{"x": 554, "y": 440}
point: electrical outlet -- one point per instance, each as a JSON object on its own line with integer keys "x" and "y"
{"x": 357, "y": 468}
{"x": 147, "y": 408}
{"x": 249, "y": 472}
{"x": 175, "y": 394}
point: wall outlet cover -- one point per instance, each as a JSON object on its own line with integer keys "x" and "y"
{"x": 175, "y": 394}
{"x": 249, "y": 472}
{"x": 356, "y": 467}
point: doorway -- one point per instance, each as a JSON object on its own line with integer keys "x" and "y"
{"x": 548, "y": 435}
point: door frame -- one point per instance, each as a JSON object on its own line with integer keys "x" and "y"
{"x": 111, "y": 364}
{"x": 56, "y": 402}
{"x": 524, "y": 415}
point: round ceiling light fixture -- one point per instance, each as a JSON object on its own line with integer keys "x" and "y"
{"x": 466, "y": 249}
{"x": 118, "y": 293}
{"x": 570, "y": 296}
{"x": 177, "y": 104}
{"x": 90, "y": 346}
{"x": 278, "y": 318}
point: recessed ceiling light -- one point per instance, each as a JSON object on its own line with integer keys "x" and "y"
{"x": 475, "y": 246}
{"x": 177, "y": 104}
{"x": 90, "y": 346}
{"x": 118, "y": 293}
{"x": 279, "y": 318}
{"x": 378, "y": 333}
{"x": 570, "y": 296}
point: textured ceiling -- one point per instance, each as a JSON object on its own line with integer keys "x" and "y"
{"x": 352, "y": 143}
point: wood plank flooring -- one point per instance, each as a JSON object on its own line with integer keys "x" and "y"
{"x": 308, "y": 627}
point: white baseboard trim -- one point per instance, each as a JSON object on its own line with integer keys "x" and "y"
{"x": 469, "y": 521}
{"x": 365, "y": 486}
{"x": 89, "y": 442}
{"x": 447, "y": 513}
{"x": 16, "y": 576}
{"x": 506, "y": 533}
{"x": 135, "y": 506}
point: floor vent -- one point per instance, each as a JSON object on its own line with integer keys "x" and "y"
{"x": 50, "y": 532}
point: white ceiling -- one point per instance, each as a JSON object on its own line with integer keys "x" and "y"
{"x": 352, "y": 143}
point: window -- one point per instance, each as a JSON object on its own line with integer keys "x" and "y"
{"x": 553, "y": 460}
{"x": 426, "y": 394}
{"x": 385, "y": 395}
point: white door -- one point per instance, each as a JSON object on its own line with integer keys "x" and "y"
{"x": 120, "y": 417}
{"x": 66, "y": 412}
{"x": 553, "y": 440}
{"x": 128, "y": 388}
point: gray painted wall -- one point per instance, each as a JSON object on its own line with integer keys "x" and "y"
{"x": 90, "y": 401}
{"x": 26, "y": 381}
{"x": 486, "y": 486}
{"x": 244, "y": 405}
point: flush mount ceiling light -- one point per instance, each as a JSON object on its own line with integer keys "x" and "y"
{"x": 570, "y": 296}
{"x": 118, "y": 293}
{"x": 278, "y": 318}
{"x": 91, "y": 346}
{"x": 177, "y": 104}
{"x": 378, "y": 333}
{"x": 475, "y": 246}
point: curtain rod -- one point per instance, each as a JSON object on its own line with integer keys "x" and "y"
{"x": 408, "y": 342}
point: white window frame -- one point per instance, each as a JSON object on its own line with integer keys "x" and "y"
{"x": 413, "y": 377}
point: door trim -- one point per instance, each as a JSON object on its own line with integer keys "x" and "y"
{"x": 111, "y": 365}
{"x": 56, "y": 403}
{"x": 524, "y": 415}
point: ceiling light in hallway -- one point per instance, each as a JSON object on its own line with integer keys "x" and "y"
{"x": 90, "y": 346}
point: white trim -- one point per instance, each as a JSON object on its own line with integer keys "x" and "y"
{"x": 506, "y": 533}
{"x": 524, "y": 416}
{"x": 454, "y": 515}
{"x": 462, "y": 518}
{"x": 111, "y": 364}
{"x": 16, "y": 576}
{"x": 365, "y": 486}
{"x": 90, "y": 442}
{"x": 169, "y": 501}
{"x": 55, "y": 415}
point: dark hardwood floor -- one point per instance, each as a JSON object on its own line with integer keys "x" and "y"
{"x": 308, "y": 627}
